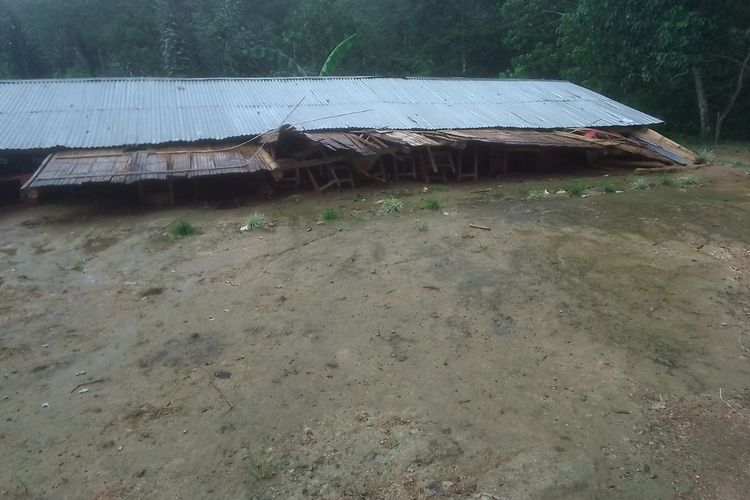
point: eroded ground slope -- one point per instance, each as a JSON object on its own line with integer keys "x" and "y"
{"x": 576, "y": 350}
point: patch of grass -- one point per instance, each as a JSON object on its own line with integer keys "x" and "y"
{"x": 392, "y": 205}
{"x": 263, "y": 465}
{"x": 432, "y": 203}
{"x": 255, "y": 223}
{"x": 295, "y": 198}
{"x": 422, "y": 226}
{"x": 687, "y": 181}
{"x": 535, "y": 194}
{"x": 640, "y": 184}
{"x": 79, "y": 267}
{"x": 575, "y": 190}
{"x": 706, "y": 155}
{"x": 609, "y": 188}
{"x": 181, "y": 228}
{"x": 667, "y": 182}
{"x": 737, "y": 164}
{"x": 24, "y": 487}
{"x": 483, "y": 248}
{"x": 329, "y": 214}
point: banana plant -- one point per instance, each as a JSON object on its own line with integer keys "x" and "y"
{"x": 337, "y": 55}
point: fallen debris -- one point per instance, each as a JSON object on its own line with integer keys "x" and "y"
{"x": 483, "y": 228}
{"x": 224, "y": 397}
{"x": 90, "y": 382}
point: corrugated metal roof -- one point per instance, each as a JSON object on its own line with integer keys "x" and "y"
{"x": 100, "y": 113}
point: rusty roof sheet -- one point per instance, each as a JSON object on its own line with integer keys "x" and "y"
{"x": 360, "y": 143}
{"x": 125, "y": 167}
{"x": 520, "y": 138}
{"x": 102, "y": 113}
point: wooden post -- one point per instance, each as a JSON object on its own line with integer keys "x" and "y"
{"x": 170, "y": 186}
{"x": 476, "y": 163}
{"x": 141, "y": 193}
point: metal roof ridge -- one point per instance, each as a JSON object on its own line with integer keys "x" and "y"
{"x": 276, "y": 78}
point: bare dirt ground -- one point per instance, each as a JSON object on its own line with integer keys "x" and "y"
{"x": 593, "y": 347}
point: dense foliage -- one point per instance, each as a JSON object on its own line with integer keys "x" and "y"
{"x": 685, "y": 60}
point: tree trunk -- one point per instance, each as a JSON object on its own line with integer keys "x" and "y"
{"x": 703, "y": 108}
{"x": 720, "y": 117}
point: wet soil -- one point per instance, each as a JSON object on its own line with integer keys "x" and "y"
{"x": 593, "y": 347}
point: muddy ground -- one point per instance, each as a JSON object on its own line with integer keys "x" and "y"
{"x": 585, "y": 347}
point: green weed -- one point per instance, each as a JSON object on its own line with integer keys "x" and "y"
{"x": 432, "y": 203}
{"x": 295, "y": 198}
{"x": 79, "y": 267}
{"x": 667, "y": 182}
{"x": 329, "y": 214}
{"x": 263, "y": 465}
{"x": 181, "y": 228}
{"x": 256, "y": 222}
{"x": 687, "y": 181}
{"x": 535, "y": 195}
{"x": 392, "y": 205}
{"x": 575, "y": 190}
{"x": 706, "y": 155}
{"x": 640, "y": 184}
{"x": 422, "y": 226}
{"x": 610, "y": 188}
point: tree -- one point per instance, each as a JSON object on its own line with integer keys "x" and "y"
{"x": 180, "y": 49}
{"x": 652, "y": 52}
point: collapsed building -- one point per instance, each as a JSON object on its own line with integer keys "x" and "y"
{"x": 177, "y": 135}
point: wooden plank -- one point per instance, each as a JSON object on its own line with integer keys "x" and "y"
{"x": 180, "y": 164}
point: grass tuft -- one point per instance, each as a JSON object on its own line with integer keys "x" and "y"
{"x": 535, "y": 194}
{"x": 575, "y": 190}
{"x": 422, "y": 226}
{"x": 640, "y": 184}
{"x": 295, "y": 198}
{"x": 706, "y": 155}
{"x": 610, "y": 189}
{"x": 687, "y": 181}
{"x": 432, "y": 203}
{"x": 181, "y": 228}
{"x": 329, "y": 214}
{"x": 263, "y": 465}
{"x": 392, "y": 205}
{"x": 667, "y": 182}
{"x": 255, "y": 222}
